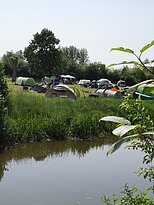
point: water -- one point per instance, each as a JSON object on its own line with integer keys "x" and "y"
{"x": 66, "y": 173}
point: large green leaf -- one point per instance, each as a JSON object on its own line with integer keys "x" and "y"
{"x": 127, "y": 50}
{"x": 122, "y": 63}
{"x": 118, "y": 144}
{"x": 146, "y": 47}
{"x": 122, "y": 130}
{"x": 120, "y": 120}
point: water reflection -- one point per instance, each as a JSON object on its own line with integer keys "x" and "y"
{"x": 65, "y": 172}
{"x": 40, "y": 151}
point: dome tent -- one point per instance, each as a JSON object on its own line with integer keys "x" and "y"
{"x": 25, "y": 81}
{"x": 147, "y": 89}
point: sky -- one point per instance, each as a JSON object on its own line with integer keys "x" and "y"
{"x": 97, "y": 25}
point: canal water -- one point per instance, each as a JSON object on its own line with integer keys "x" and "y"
{"x": 66, "y": 173}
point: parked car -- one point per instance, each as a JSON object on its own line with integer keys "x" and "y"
{"x": 104, "y": 83}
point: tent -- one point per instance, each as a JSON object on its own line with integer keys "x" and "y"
{"x": 40, "y": 88}
{"x": 68, "y": 78}
{"x": 83, "y": 82}
{"x": 47, "y": 79}
{"x": 25, "y": 81}
{"x": 147, "y": 89}
{"x": 61, "y": 91}
{"x": 143, "y": 89}
{"x": 107, "y": 93}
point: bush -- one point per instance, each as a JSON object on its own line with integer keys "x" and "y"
{"x": 3, "y": 108}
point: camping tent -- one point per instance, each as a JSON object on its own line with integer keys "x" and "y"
{"x": 61, "y": 91}
{"x": 83, "y": 82}
{"x": 25, "y": 81}
{"x": 147, "y": 89}
{"x": 68, "y": 78}
{"x": 103, "y": 82}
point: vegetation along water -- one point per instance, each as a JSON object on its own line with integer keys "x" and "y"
{"x": 30, "y": 117}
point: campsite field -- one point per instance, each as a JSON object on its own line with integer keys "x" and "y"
{"x": 33, "y": 117}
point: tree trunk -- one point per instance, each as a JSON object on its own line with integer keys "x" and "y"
{"x": 14, "y": 74}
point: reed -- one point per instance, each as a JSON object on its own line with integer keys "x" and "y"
{"x": 35, "y": 118}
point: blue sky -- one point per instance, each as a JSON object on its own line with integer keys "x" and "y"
{"x": 97, "y": 25}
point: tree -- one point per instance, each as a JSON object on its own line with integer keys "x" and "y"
{"x": 73, "y": 61}
{"x": 15, "y": 64}
{"x": 10, "y": 61}
{"x": 95, "y": 71}
{"x": 43, "y": 54}
{"x": 83, "y": 56}
{"x": 75, "y": 55}
{"x": 71, "y": 53}
{"x": 23, "y": 66}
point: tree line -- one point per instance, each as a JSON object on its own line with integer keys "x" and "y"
{"x": 45, "y": 57}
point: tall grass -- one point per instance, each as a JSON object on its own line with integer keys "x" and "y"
{"x": 34, "y": 117}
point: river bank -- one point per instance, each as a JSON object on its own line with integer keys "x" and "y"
{"x": 36, "y": 118}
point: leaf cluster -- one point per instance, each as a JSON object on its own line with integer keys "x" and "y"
{"x": 4, "y": 103}
{"x": 139, "y": 63}
{"x": 136, "y": 112}
{"x": 130, "y": 196}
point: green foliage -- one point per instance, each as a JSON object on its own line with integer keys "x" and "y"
{"x": 94, "y": 71}
{"x": 33, "y": 117}
{"x": 147, "y": 173}
{"x": 3, "y": 107}
{"x": 127, "y": 50}
{"x": 122, "y": 63}
{"x": 146, "y": 47}
{"x": 142, "y": 122}
{"x": 15, "y": 60}
{"x": 142, "y": 139}
{"x": 130, "y": 75}
{"x": 130, "y": 196}
{"x": 43, "y": 55}
{"x": 11, "y": 60}
{"x": 137, "y": 113}
{"x": 75, "y": 55}
{"x": 140, "y": 63}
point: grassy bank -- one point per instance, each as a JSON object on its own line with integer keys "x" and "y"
{"x": 34, "y": 117}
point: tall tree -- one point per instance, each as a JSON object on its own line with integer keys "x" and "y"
{"x": 43, "y": 54}
{"x": 15, "y": 64}
{"x": 83, "y": 56}
{"x": 74, "y": 60}
{"x": 71, "y": 53}
{"x": 95, "y": 71}
{"x": 75, "y": 55}
{"x": 10, "y": 62}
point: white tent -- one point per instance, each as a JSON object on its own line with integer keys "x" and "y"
{"x": 83, "y": 82}
{"x": 69, "y": 78}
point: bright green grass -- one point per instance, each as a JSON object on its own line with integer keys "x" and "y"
{"x": 34, "y": 117}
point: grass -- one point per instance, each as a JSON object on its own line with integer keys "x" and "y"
{"x": 34, "y": 117}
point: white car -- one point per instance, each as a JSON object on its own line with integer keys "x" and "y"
{"x": 103, "y": 83}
